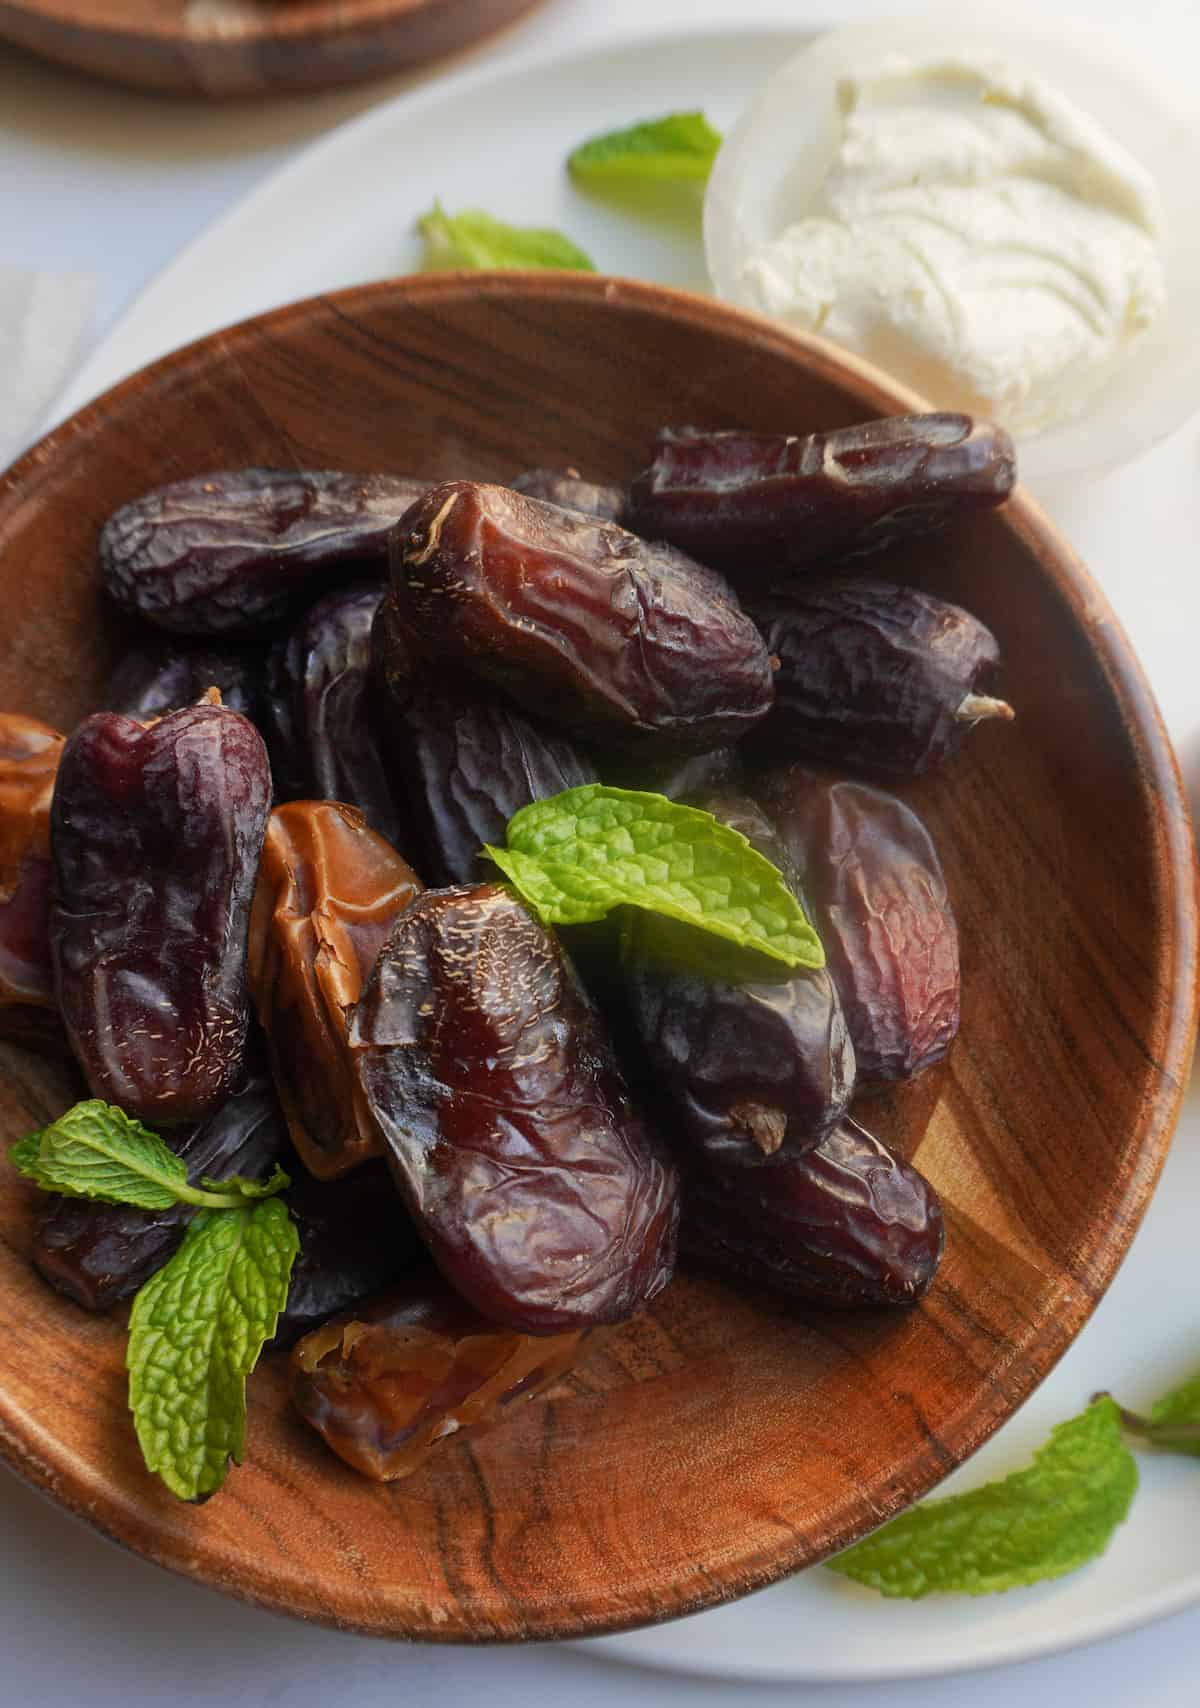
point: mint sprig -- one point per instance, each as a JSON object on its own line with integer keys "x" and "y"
{"x": 1039, "y": 1523}
{"x": 195, "y": 1333}
{"x": 1173, "y": 1423}
{"x": 581, "y": 853}
{"x": 97, "y": 1151}
{"x": 679, "y": 147}
{"x": 473, "y": 239}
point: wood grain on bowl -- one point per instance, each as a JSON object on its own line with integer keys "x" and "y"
{"x": 225, "y": 49}
{"x": 722, "y": 1440}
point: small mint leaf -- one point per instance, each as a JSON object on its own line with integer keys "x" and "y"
{"x": 195, "y": 1333}
{"x": 24, "y": 1156}
{"x": 251, "y": 1190}
{"x": 96, "y": 1151}
{"x": 1039, "y": 1523}
{"x": 679, "y": 146}
{"x": 579, "y": 854}
{"x": 474, "y": 239}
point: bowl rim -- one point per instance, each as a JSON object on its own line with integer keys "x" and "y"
{"x": 33, "y": 1456}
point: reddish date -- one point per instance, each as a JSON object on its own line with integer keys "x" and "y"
{"x": 876, "y": 677}
{"x": 29, "y": 759}
{"x": 540, "y": 1194}
{"x": 155, "y": 834}
{"x": 621, "y": 641}
{"x": 384, "y": 1384}
{"x": 875, "y": 885}
{"x": 329, "y": 891}
{"x": 463, "y": 761}
{"x": 847, "y": 1223}
{"x": 753, "y": 503}
{"x": 228, "y": 552}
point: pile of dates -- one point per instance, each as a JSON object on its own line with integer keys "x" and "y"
{"x": 247, "y": 894}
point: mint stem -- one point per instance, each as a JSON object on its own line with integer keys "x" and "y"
{"x": 1157, "y": 1434}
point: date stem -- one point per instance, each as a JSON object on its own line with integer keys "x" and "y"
{"x": 973, "y": 708}
{"x": 766, "y": 1126}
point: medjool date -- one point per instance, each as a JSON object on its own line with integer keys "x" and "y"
{"x": 752, "y": 503}
{"x": 219, "y": 553}
{"x": 753, "y": 1070}
{"x": 873, "y": 880}
{"x": 329, "y": 891}
{"x": 384, "y": 1384}
{"x": 356, "y": 1238}
{"x": 326, "y": 666}
{"x": 98, "y": 1254}
{"x": 151, "y": 680}
{"x": 155, "y": 835}
{"x": 29, "y": 759}
{"x": 619, "y": 641}
{"x": 532, "y": 1180}
{"x": 847, "y": 1223}
{"x": 567, "y": 489}
{"x": 876, "y": 677}
{"x": 465, "y": 762}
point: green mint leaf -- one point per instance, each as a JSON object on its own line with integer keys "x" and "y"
{"x": 475, "y": 239}
{"x": 1039, "y": 1523}
{"x": 248, "y": 1191}
{"x": 1173, "y": 1424}
{"x": 680, "y": 147}
{"x": 195, "y": 1332}
{"x": 576, "y": 856}
{"x": 96, "y": 1151}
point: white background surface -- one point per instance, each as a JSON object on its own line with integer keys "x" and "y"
{"x": 115, "y": 183}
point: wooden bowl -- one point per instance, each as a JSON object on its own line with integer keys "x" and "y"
{"x": 231, "y": 48}
{"x": 722, "y": 1440}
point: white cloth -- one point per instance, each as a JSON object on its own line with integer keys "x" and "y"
{"x": 43, "y": 317}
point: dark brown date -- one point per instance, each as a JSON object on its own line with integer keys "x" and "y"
{"x": 876, "y": 677}
{"x": 753, "y": 1071}
{"x": 568, "y": 489}
{"x": 753, "y": 503}
{"x": 325, "y": 671}
{"x": 687, "y": 779}
{"x": 151, "y": 680}
{"x": 329, "y": 891}
{"x": 384, "y": 1384}
{"x": 226, "y": 552}
{"x": 847, "y": 1223}
{"x": 98, "y": 1254}
{"x": 540, "y": 1194}
{"x": 873, "y": 880}
{"x": 619, "y": 641}
{"x": 29, "y": 758}
{"x": 464, "y": 761}
{"x": 356, "y": 1238}
{"x": 155, "y": 834}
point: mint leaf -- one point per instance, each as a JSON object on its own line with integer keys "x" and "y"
{"x": 1173, "y": 1424}
{"x": 576, "y": 856}
{"x": 680, "y": 147}
{"x": 195, "y": 1333}
{"x": 475, "y": 239}
{"x": 1039, "y": 1523}
{"x": 96, "y": 1151}
{"x": 248, "y": 1191}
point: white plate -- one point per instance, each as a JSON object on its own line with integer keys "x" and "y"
{"x": 342, "y": 213}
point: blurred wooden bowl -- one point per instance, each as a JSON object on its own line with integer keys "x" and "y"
{"x": 230, "y": 48}
{"x": 722, "y": 1440}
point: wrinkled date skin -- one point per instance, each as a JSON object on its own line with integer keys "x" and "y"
{"x": 876, "y": 677}
{"x": 98, "y": 1254}
{"x": 325, "y": 670}
{"x": 356, "y": 1238}
{"x": 752, "y": 1071}
{"x": 847, "y": 1223}
{"x": 329, "y": 891}
{"x": 155, "y": 834}
{"x": 29, "y": 759}
{"x": 222, "y": 553}
{"x": 465, "y": 762}
{"x": 621, "y": 642}
{"x": 567, "y": 489}
{"x": 538, "y": 1191}
{"x": 753, "y": 503}
{"x": 385, "y": 1384}
{"x": 151, "y": 680}
{"x": 878, "y": 896}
